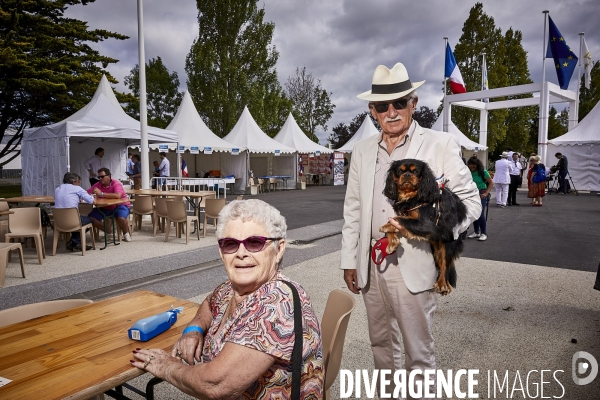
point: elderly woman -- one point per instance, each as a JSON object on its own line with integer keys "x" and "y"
{"x": 243, "y": 333}
{"x": 536, "y": 190}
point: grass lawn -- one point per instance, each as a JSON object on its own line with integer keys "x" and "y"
{"x": 7, "y": 191}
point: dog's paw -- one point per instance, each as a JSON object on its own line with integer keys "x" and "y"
{"x": 442, "y": 288}
{"x": 388, "y": 228}
{"x": 393, "y": 243}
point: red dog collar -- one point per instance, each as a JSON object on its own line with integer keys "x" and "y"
{"x": 380, "y": 245}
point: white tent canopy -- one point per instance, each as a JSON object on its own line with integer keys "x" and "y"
{"x": 50, "y": 151}
{"x": 581, "y": 146}
{"x": 247, "y": 134}
{"x": 462, "y": 138}
{"x": 366, "y": 129}
{"x": 292, "y": 136}
{"x": 193, "y": 132}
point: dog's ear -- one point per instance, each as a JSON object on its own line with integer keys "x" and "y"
{"x": 391, "y": 190}
{"x": 428, "y": 187}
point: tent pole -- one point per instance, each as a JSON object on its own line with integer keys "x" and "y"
{"x": 143, "y": 110}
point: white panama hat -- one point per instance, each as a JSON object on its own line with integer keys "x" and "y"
{"x": 504, "y": 154}
{"x": 390, "y": 84}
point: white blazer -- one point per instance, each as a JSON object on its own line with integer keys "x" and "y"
{"x": 442, "y": 152}
{"x": 502, "y": 173}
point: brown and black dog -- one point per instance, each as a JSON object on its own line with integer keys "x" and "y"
{"x": 426, "y": 211}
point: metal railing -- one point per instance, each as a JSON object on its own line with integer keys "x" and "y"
{"x": 217, "y": 185}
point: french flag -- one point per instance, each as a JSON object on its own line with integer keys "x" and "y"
{"x": 457, "y": 85}
{"x": 184, "y": 170}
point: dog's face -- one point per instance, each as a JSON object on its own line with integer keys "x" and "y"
{"x": 409, "y": 179}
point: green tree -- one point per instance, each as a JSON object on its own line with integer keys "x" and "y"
{"x": 518, "y": 119}
{"x": 162, "y": 93}
{"x": 232, "y": 64}
{"x": 588, "y": 98}
{"x": 558, "y": 123}
{"x": 425, "y": 116}
{"x": 48, "y": 70}
{"x": 312, "y": 105}
{"x": 480, "y": 35}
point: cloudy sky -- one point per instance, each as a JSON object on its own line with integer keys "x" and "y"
{"x": 342, "y": 41}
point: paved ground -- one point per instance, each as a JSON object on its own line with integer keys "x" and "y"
{"x": 512, "y": 312}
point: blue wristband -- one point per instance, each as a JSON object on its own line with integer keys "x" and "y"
{"x": 193, "y": 328}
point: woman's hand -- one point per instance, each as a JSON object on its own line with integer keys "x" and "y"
{"x": 189, "y": 347}
{"x": 483, "y": 195}
{"x": 155, "y": 361}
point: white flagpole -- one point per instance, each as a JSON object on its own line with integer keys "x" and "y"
{"x": 576, "y": 114}
{"x": 143, "y": 111}
{"x": 446, "y": 111}
{"x": 543, "y": 122}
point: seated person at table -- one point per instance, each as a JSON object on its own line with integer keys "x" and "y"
{"x": 69, "y": 195}
{"x": 108, "y": 188}
{"x": 248, "y": 320}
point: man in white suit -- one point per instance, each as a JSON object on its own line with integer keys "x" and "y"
{"x": 398, "y": 294}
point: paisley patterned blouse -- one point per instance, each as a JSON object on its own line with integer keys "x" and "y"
{"x": 264, "y": 321}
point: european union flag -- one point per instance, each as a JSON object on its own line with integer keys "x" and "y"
{"x": 565, "y": 60}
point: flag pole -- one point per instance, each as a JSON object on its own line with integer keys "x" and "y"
{"x": 445, "y": 120}
{"x": 143, "y": 108}
{"x": 543, "y": 127}
{"x": 576, "y": 114}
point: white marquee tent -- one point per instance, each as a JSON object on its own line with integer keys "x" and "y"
{"x": 292, "y": 136}
{"x": 265, "y": 156}
{"x": 464, "y": 141}
{"x": 581, "y": 146}
{"x": 366, "y": 129}
{"x": 214, "y": 152}
{"x": 48, "y": 152}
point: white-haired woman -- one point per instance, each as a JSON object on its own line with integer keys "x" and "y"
{"x": 244, "y": 331}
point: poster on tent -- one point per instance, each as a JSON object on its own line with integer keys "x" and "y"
{"x": 163, "y": 148}
{"x": 194, "y": 150}
{"x": 338, "y": 168}
{"x": 318, "y": 164}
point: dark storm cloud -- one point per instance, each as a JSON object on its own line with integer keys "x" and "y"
{"x": 341, "y": 42}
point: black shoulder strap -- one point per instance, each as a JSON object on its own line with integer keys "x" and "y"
{"x": 298, "y": 339}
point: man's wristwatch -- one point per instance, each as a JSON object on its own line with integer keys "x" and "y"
{"x": 101, "y": 194}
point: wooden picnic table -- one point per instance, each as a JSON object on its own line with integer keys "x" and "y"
{"x": 84, "y": 351}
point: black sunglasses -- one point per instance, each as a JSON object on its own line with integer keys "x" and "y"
{"x": 398, "y": 105}
{"x": 253, "y": 244}
{"x": 101, "y": 176}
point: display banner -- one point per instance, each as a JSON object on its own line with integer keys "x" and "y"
{"x": 235, "y": 152}
{"x": 208, "y": 150}
{"x": 338, "y": 168}
{"x": 181, "y": 149}
{"x": 194, "y": 150}
{"x": 163, "y": 148}
{"x": 277, "y": 152}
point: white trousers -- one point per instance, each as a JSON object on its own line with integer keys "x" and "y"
{"x": 501, "y": 193}
{"x": 396, "y": 314}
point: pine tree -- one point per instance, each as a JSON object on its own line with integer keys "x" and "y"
{"x": 479, "y": 36}
{"x": 162, "y": 93}
{"x": 48, "y": 70}
{"x": 232, "y": 64}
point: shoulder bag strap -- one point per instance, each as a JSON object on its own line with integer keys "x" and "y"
{"x": 298, "y": 339}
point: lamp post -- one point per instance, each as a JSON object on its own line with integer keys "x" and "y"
{"x": 143, "y": 109}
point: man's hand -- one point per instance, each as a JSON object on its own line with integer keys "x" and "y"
{"x": 97, "y": 192}
{"x": 351, "y": 280}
